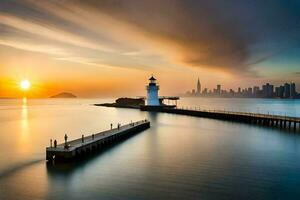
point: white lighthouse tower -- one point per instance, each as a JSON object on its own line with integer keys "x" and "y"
{"x": 152, "y": 93}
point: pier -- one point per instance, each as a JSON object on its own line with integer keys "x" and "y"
{"x": 78, "y": 148}
{"x": 274, "y": 121}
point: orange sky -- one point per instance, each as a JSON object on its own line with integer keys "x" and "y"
{"x": 104, "y": 50}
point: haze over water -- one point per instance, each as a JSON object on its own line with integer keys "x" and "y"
{"x": 179, "y": 157}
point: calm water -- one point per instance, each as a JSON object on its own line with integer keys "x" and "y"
{"x": 179, "y": 157}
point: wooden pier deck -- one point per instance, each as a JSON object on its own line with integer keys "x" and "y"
{"x": 78, "y": 148}
{"x": 274, "y": 121}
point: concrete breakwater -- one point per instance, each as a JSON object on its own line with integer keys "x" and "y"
{"x": 78, "y": 148}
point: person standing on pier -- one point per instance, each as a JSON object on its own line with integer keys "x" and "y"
{"x": 66, "y": 140}
{"x": 93, "y": 136}
{"x": 111, "y": 125}
{"x": 51, "y": 143}
{"x": 55, "y": 143}
{"x": 82, "y": 138}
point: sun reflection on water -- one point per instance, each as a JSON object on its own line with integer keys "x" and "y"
{"x": 24, "y": 117}
{"x": 24, "y": 139}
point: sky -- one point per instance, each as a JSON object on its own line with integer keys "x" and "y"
{"x": 106, "y": 48}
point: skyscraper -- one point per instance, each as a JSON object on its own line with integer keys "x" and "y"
{"x": 281, "y": 91}
{"x": 256, "y": 91}
{"x": 287, "y": 90}
{"x": 293, "y": 90}
{"x": 267, "y": 90}
{"x": 218, "y": 90}
{"x": 198, "y": 87}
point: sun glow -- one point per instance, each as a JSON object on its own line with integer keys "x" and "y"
{"x": 25, "y": 85}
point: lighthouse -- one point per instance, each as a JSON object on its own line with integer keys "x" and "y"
{"x": 152, "y": 93}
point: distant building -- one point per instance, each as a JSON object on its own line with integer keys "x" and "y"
{"x": 250, "y": 92}
{"x": 198, "y": 87}
{"x": 239, "y": 90}
{"x": 287, "y": 90}
{"x": 267, "y": 90}
{"x": 231, "y": 92}
{"x": 256, "y": 91}
{"x": 130, "y": 101}
{"x": 277, "y": 91}
{"x": 281, "y": 91}
{"x": 218, "y": 91}
{"x": 293, "y": 90}
{"x": 270, "y": 90}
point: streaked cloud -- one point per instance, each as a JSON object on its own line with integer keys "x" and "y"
{"x": 49, "y": 32}
{"x": 53, "y": 50}
{"x": 214, "y": 39}
{"x": 228, "y": 35}
{"x": 205, "y": 34}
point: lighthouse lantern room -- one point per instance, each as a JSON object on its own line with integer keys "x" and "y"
{"x": 152, "y": 93}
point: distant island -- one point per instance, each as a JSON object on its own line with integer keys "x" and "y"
{"x": 64, "y": 95}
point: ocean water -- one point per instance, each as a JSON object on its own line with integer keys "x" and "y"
{"x": 179, "y": 157}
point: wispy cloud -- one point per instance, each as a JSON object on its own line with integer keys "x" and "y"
{"x": 47, "y": 49}
{"x": 48, "y": 32}
{"x": 206, "y": 34}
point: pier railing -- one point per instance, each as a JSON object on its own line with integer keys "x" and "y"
{"x": 275, "y": 121}
{"x": 78, "y": 148}
{"x": 242, "y": 113}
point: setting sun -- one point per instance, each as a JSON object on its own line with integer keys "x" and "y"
{"x": 25, "y": 85}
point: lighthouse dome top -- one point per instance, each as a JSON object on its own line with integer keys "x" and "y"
{"x": 152, "y": 78}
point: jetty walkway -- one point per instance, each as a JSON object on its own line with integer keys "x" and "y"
{"x": 274, "y": 121}
{"x": 78, "y": 148}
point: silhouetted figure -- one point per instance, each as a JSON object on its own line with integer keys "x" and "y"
{"x": 82, "y": 138}
{"x": 51, "y": 143}
{"x": 66, "y": 140}
{"x": 111, "y": 125}
{"x": 93, "y": 136}
{"x": 55, "y": 143}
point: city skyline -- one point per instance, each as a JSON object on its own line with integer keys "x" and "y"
{"x": 109, "y": 48}
{"x": 283, "y": 91}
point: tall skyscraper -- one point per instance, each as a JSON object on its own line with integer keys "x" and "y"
{"x": 287, "y": 90}
{"x": 267, "y": 90}
{"x": 219, "y": 89}
{"x": 256, "y": 91}
{"x": 293, "y": 90}
{"x": 281, "y": 91}
{"x": 198, "y": 87}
